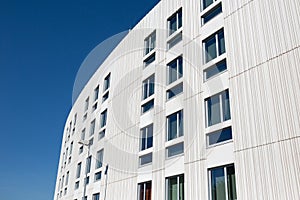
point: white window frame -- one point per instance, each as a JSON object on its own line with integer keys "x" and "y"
{"x": 148, "y": 41}
{"x": 177, "y": 124}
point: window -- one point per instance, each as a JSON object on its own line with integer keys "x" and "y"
{"x": 175, "y": 125}
{"x": 174, "y": 70}
{"x": 222, "y": 183}
{"x": 150, "y": 42}
{"x": 95, "y": 106}
{"x": 144, "y": 191}
{"x": 65, "y": 192}
{"x": 146, "y": 140}
{"x": 80, "y": 149}
{"x": 78, "y": 170}
{"x": 145, "y": 159}
{"x": 101, "y": 134}
{"x": 96, "y": 93}
{"x": 174, "y": 91}
{"x": 219, "y": 136}
{"x": 75, "y": 119}
{"x": 175, "y": 150}
{"x": 88, "y": 164}
{"x": 215, "y": 70}
{"x": 96, "y": 196}
{"x": 67, "y": 178}
{"x": 147, "y": 106}
{"x": 217, "y": 108}
{"x": 106, "y": 84}
{"x": 98, "y": 176}
{"x": 91, "y": 141}
{"x": 99, "y": 159}
{"x": 175, "y": 21}
{"x": 175, "y": 188}
{"x": 92, "y": 127}
{"x": 62, "y": 182}
{"x": 86, "y": 104}
{"x": 103, "y": 118}
{"x": 175, "y": 40}
{"x": 77, "y": 185}
{"x": 149, "y": 60}
{"x": 84, "y": 116}
{"x": 105, "y": 96}
{"x": 148, "y": 87}
{"x": 214, "y": 46}
{"x": 82, "y": 134}
{"x": 87, "y": 180}
{"x": 206, "y": 3}
{"x": 211, "y": 13}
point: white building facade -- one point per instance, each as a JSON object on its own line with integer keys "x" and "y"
{"x": 201, "y": 100}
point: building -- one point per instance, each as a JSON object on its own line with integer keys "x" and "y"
{"x": 201, "y": 100}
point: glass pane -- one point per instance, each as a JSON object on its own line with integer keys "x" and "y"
{"x": 176, "y": 90}
{"x": 180, "y": 69}
{"x": 149, "y": 60}
{"x": 143, "y": 139}
{"x": 213, "y": 107}
{"x": 145, "y": 89}
{"x": 179, "y": 19}
{"x": 181, "y": 187}
{"x": 231, "y": 183}
{"x": 172, "y": 191}
{"x": 147, "y": 106}
{"x": 206, "y": 3}
{"x": 148, "y": 191}
{"x": 221, "y": 42}
{"x": 226, "y": 105}
{"x": 175, "y": 150}
{"x": 146, "y": 159}
{"x": 212, "y": 13}
{"x": 172, "y": 126}
{"x": 180, "y": 124}
{"x": 172, "y": 67}
{"x": 220, "y": 136}
{"x": 151, "y": 87}
{"x": 210, "y": 49}
{"x": 215, "y": 69}
{"x": 150, "y": 137}
{"x": 141, "y": 191}
{"x": 152, "y": 44}
{"x": 218, "y": 184}
{"x": 172, "y": 25}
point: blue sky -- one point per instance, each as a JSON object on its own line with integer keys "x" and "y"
{"x": 42, "y": 45}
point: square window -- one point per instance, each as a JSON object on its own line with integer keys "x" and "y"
{"x": 175, "y": 188}
{"x": 148, "y": 87}
{"x": 149, "y": 60}
{"x": 175, "y": 125}
{"x": 149, "y": 43}
{"x": 144, "y": 191}
{"x": 175, "y": 70}
{"x": 147, "y": 106}
{"x": 146, "y": 140}
{"x": 175, "y": 22}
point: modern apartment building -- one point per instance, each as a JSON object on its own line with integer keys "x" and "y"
{"x": 200, "y": 100}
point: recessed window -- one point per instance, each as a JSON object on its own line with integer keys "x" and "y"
{"x": 148, "y": 87}
{"x": 87, "y": 180}
{"x": 77, "y": 185}
{"x": 174, "y": 70}
{"x": 214, "y": 46}
{"x": 91, "y": 141}
{"x": 175, "y": 188}
{"x": 215, "y": 69}
{"x": 174, "y": 91}
{"x": 95, "y": 106}
{"x": 86, "y": 104}
{"x": 80, "y": 150}
{"x": 103, "y": 118}
{"x": 217, "y": 108}
{"x": 175, "y": 125}
{"x": 175, "y": 40}
{"x": 65, "y": 192}
{"x": 149, "y": 42}
{"x": 98, "y": 176}
{"x": 67, "y": 178}
{"x": 99, "y": 159}
{"x": 175, "y": 150}
{"x": 96, "y": 93}
{"x": 146, "y": 140}
{"x": 78, "y": 170}
{"x": 219, "y": 136}
{"x": 83, "y": 134}
{"x": 75, "y": 119}
{"x": 147, "y": 106}
{"x": 222, "y": 183}
{"x": 211, "y": 13}
{"x": 106, "y": 84}
{"x": 63, "y": 179}
{"x": 175, "y": 21}
{"x": 150, "y": 59}
{"x": 96, "y": 196}
{"x": 206, "y": 3}
{"x": 88, "y": 164}
{"x": 92, "y": 127}
{"x": 144, "y": 191}
{"x": 145, "y": 159}
{"x": 84, "y": 116}
{"x": 101, "y": 134}
{"x": 105, "y": 96}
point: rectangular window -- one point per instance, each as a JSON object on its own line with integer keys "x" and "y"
{"x": 175, "y": 150}
{"x": 96, "y": 196}
{"x": 217, "y": 108}
{"x": 96, "y": 93}
{"x": 99, "y": 159}
{"x": 103, "y": 118}
{"x": 86, "y": 104}
{"x": 175, "y": 21}
{"x": 94, "y": 107}
{"x": 146, "y": 140}
{"x": 92, "y": 127}
{"x": 77, "y": 185}
{"x": 78, "y": 171}
{"x": 84, "y": 116}
{"x": 214, "y": 46}
{"x": 206, "y": 3}
{"x": 148, "y": 87}
{"x": 174, "y": 91}
{"x": 149, "y": 60}
{"x": 215, "y": 70}
{"x": 87, "y": 180}
{"x": 80, "y": 150}
{"x": 106, "y": 84}
{"x": 219, "y": 136}
{"x": 147, "y": 106}
{"x": 149, "y": 42}
{"x": 175, "y": 125}
{"x": 82, "y": 134}
{"x": 174, "y": 70}
{"x": 145, "y": 159}
{"x": 98, "y": 176}
{"x": 175, "y": 187}
{"x": 144, "y": 191}
{"x": 75, "y": 119}
{"x": 101, "y": 134}
{"x": 88, "y": 164}
{"x": 211, "y": 13}
{"x": 105, "y": 96}
{"x": 67, "y": 178}
{"x": 63, "y": 179}
{"x": 222, "y": 183}
{"x": 91, "y": 141}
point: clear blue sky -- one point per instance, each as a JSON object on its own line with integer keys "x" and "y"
{"x": 42, "y": 45}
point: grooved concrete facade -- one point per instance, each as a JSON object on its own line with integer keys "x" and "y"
{"x": 216, "y": 84}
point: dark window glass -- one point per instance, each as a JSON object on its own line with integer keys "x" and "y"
{"x": 212, "y": 13}
{"x": 215, "y": 69}
{"x": 220, "y": 136}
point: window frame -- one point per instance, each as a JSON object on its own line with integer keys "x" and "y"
{"x": 148, "y": 48}
{"x": 177, "y": 20}
{"x": 146, "y": 130}
{"x": 144, "y": 185}
{"x": 178, "y": 178}
{"x": 178, "y": 125}
{"x": 179, "y": 67}
{"x": 206, "y": 57}
{"x": 148, "y": 83}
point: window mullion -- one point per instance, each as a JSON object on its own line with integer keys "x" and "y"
{"x": 177, "y": 125}
{"x": 217, "y": 44}
{"x": 225, "y": 180}
{"x": 221, "y": 108}
{"x": 144, "y": 191}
